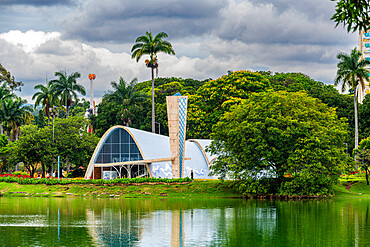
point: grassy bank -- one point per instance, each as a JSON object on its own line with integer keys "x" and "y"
{"x": 352, "y": 188}
{"x": 195, "y": 189}
{"x": 210, "y": 188}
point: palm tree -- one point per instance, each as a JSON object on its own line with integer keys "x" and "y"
{"x": 4, "y": 94}
{"x": 127, "y": 98}
{"x": 147, "y": 45}
{"x": 13, "y": 114}
{"x": 66, "y": 88}
{"x": 352, "y": 74}
{"x": 46, "y": 98}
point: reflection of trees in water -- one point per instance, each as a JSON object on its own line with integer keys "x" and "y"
{"x": 190, "y": 222}
{"x": 295, "y": 223}
{"x": 43, "y": 222}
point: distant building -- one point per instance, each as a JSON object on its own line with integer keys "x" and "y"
{"x": 128, "y": 152}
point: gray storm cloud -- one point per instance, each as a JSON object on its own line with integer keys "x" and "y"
{"x": 36, "y": 2}
{"x": 119, "y": 21}
{"x": 209, "y": 37}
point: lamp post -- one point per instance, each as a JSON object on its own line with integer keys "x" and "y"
{"x": 92, "y": 103}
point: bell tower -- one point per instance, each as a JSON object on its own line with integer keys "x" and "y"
{"x": 177, "y": 113}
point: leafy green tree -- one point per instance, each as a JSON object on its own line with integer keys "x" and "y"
{"x": 34, "y": 147}
{"x": 40, "y": 119}
{"x": 215, "y": 97}
{"x": 127, "y": 98}
{"x": 106, "y": 118}
{"x": 363, "y": 151}
{"x": 4, "y": 95}
{"x": 281, "y": 133}
{"x": 79, "y": 107}
{"x": 353, "y": 14}
{"x": 109, "y": 112}
{"x": 13, "y": 114}
{"x": 3, "y": 152}
{"x": 37, "y": 146}
{"x": 45, "y": 97}
{"x": 147, "y": 45}
{"x": 66, "y": 88}
{"x": 328, "y": 94}
{"x": 10, "y": 81}
{"x": 74, "y": 145}
{"x": 352, "y": 74}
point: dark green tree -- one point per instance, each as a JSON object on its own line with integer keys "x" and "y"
{"x": 106, "y": 118}
{"x": 4, "y": 95}
{"x": 13, "y": 114}
{"x": 40, "y": 119}
{"x": 74, "y": 145}
{"x": 46, "y": 98}
{"x": 363, "y": 152}
{"x": 149, "y": 45}
{"x": 281, "y": 133}
{"x": 128, "y": 99}
{"x": 79, "y": 107}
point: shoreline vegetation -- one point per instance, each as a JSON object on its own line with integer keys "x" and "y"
{"x": 177, "y": 189}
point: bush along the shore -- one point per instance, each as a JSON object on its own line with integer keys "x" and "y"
{"x": 282, "y": 187}
{"x": 47, "y": 181}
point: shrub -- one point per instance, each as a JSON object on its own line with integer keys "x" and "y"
{"x": 23, "y": 179}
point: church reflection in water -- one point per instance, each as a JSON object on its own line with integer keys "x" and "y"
{"x": 132, "y": 228}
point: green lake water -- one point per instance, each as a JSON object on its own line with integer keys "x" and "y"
{"x": 183, "y": 222}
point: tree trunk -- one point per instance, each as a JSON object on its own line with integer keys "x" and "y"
{"x": 153, "y": 110}
{"x": 1, "y": 129}
{"x": 367, "y": 176}
{"x": 8, "y": 133}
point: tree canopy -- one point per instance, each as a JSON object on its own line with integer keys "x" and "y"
{"x": 281, "y": 133}
{"x": 215, "y": 97}
{"x": 5, "y": 76}
{"x": 353, "y": 14}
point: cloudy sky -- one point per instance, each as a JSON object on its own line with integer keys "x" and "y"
{"x": 40, "y": 37}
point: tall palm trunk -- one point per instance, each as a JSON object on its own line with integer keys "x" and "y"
{"x": 153, "y": 110}
{"x": 356, "y": 124}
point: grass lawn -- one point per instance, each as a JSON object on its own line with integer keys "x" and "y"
{"x": 357, "y": 188}
{"x": 208, "y": 188}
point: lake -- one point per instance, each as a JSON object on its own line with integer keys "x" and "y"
{"x": 183, "y": 222}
